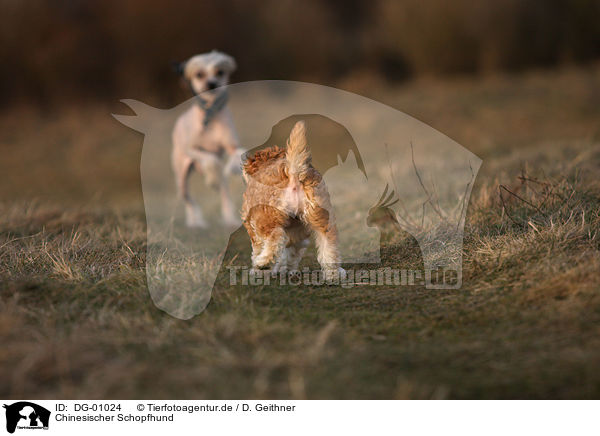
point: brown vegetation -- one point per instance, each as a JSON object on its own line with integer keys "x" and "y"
{"x": 106, "y": 49}
{"x": 76, "y": 320}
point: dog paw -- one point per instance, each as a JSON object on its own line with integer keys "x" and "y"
{"x": 195, "y": 220}
{"x": 279, "y": 269}
{"x": 212, "y": 168}
{"x": 335, "y": 275}
{"x": 261, "y": 263}
{"x": 194, "y": 224}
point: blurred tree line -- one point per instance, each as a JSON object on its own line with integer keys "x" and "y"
{"x": 66, "y": 50}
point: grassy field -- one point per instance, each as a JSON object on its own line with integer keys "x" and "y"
{"x": 76, "y": 320}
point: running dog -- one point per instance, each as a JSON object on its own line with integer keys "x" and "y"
{"x": 285, "y": 201}
{"x": 204, "y": 137}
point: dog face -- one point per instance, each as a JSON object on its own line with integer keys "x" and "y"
{"x": 208, "y": 72}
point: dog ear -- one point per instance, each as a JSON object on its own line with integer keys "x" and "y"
{"x": 178, "y": 67}
{"x": 229, "y": 63}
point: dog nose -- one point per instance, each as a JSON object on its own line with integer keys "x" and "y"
{"x": 211, "y": 85}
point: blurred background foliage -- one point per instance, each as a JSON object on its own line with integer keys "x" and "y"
{"x": 517, "y": 82}
{"x": 65, "y": 51}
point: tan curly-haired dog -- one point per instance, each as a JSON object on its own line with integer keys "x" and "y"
{"x": 285, "y": 201}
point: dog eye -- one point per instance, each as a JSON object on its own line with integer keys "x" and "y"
{"x": 200, "y": 75}
{"x": 220, "y": 73}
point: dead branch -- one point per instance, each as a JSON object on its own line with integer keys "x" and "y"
{"x": 504, "y": 208}
{"x": 520, "y": 198}
{"x": 435, "y": 207}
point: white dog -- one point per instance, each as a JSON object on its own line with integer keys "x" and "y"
{"x": 204, "y": 136}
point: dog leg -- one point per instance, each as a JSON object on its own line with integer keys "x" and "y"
{"x": 256, "y": 250}
{"x": 255, "y": 241}
{"x": 193, "y": 213}
{"x": 272, "y": 248}
{"x": 295, "y": 253}
{"x": 328, "y": 253}
{"x": 210, "y": 166}
{"x": 234, "y": 163}
{"x": 194, "y": 218}
{"x": 281, "y": 265}
{"x": 329, "y": 256}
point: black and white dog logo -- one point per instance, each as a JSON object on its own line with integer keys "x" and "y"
{"x": 26, "y": 415}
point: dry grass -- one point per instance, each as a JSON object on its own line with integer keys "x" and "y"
{"x": 76, "y": 320}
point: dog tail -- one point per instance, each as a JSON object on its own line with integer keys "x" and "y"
{"x": 298, "y": 155}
